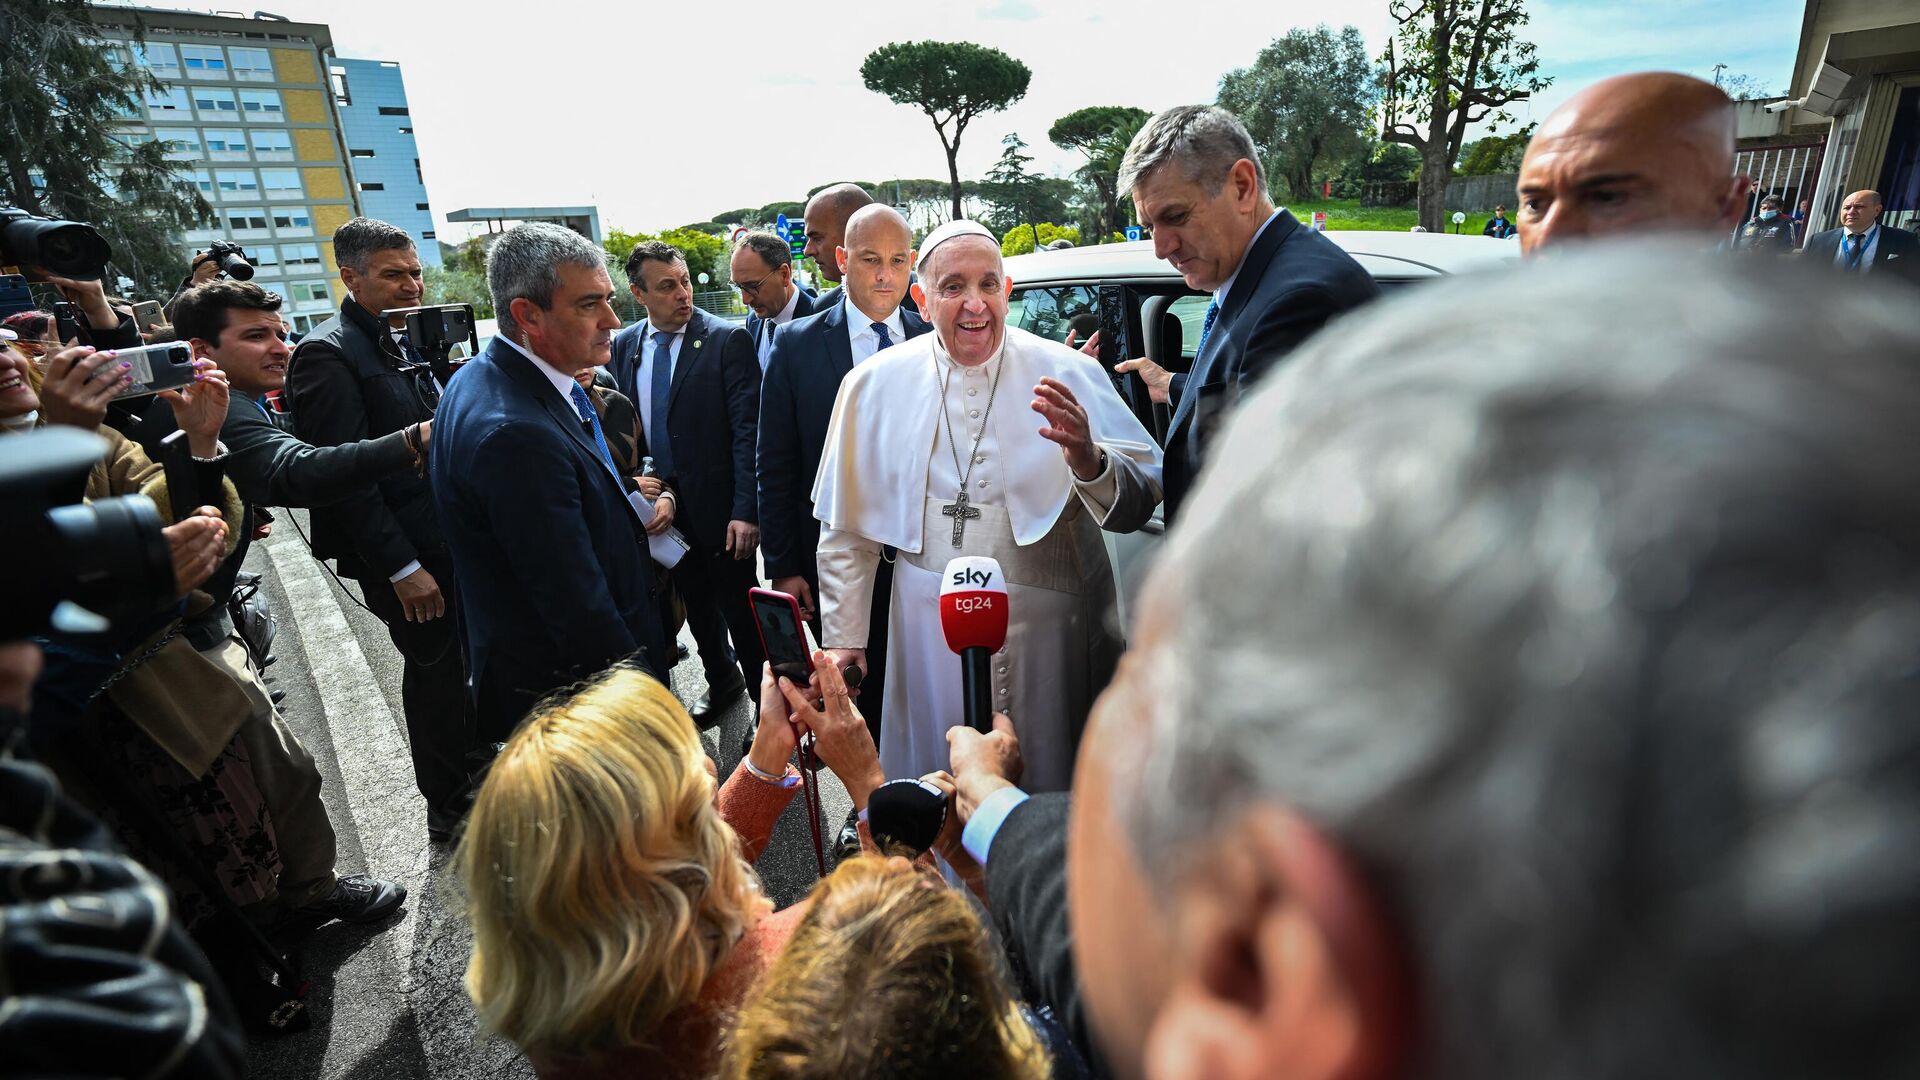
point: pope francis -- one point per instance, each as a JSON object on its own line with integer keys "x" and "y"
{"x": 929, "y": 453}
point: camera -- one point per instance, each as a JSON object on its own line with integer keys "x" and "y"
{"x": 108, "y": 557}
{"x": 435, "y": 329}
{"x": 71, "y": 249}
{"x": 231, "y": 259}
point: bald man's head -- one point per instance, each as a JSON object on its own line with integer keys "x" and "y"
{"x": 826, "y": 216}
{"x": 875, "y": 260}
{"x": 1859, "y": 211}
{"x": 1644, "y": 153}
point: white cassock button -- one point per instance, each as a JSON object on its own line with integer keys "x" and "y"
{"x": 983, "y": 483}
{"x": 975, "y": 392}
{"x": 979, "y": 459}
{"x": 974, "y": 413}
{"x": 1003, "y": 669}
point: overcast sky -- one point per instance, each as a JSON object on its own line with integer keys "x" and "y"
{"x": 666, "y": 113}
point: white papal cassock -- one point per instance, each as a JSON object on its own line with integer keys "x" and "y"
{"x": 888, "y": 471}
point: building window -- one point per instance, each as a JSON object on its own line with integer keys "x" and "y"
{"x": 342, "y": 93}
{"x": 272, "y": 144}
{"x": 282, "y": 183}
{"x": 212, "y": 104}
{"x": 406, "y": 131}
{"x": 226, "y": 144}
{"x": 428, "y": 235}
{"x": 301, "y": 254}
{"x": 251, "y": 65}
{"x": 162, "y": 60}
{"x": 237, "y": 181}
{"x": 239, "y": 221}
{"x": 306, "y": 292}
{"x": 417, "y": 174}
{"x": 183, "y": 143}
{"x": 394, "y": 110}
{"x": 264, "y": 256}
{"x": 203, "y": 180}
{"x": 263, "y": 102}
{"x": 361, "y": 153}
{"x": 204, "y": 61}
{"x": 419, "y": 206}
{"x": 292, "y": 219}
{"x": 168, "y": 100}
{"x": 373, "y": 187}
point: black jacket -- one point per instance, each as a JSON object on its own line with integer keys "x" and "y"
{"x": 1291, "y": 282}
{"x": 271, "y": 467}
{"x": 555, "y": 578}
{"x": 713, "y": 414}
{"x": 802, "y": 308}
{"x": 1896, "y": 254}
{"x": 347, "y": 383}
{"x": 1027, "y": 890}
{"x": 810, "y": 357}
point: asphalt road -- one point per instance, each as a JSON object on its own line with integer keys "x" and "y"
{"x": 388, "y": 1001}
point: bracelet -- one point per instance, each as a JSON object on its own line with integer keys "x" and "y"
{"x": 783, "y": 781}
{"x": 411, "y": 436}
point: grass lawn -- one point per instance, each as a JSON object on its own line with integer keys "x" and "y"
{"x": 1348, "y": 214}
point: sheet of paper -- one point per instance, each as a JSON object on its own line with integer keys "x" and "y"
{"x": 669, "y": 546}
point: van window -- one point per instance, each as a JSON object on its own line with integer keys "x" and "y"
{"x": 1051, "y": 312}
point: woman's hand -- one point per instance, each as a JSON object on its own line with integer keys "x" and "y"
{"x": 948, "y": 845}
{"x": 79, "y": 384}
{"x": 840, "y": 732}
{"x": 200, "y": 408}
{"x": 198, "y": 543}
{"x": 774, "y": 738}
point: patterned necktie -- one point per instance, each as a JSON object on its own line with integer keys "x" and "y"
{"x": 1206, "y": 327}
{"x": 584, "y": 406}
{"x": 886, "y": 342}
{"x": 659, "y": 441}
{"x": 1851, "y": 249}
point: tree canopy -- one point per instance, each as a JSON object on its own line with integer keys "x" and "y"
{"x": 1102, "y": 133}
{"x": 953, "y": 82}
{"x": 1307, "y": 100}
{"x": 1495, "y": 154}
{"x": 704, "y": 252}
{"x": 1014, "y": 195}
{"x": 1019, "y": 239}
{"x": 63, "y": 97}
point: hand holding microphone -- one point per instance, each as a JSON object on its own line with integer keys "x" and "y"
{"x": 973, "y": 615}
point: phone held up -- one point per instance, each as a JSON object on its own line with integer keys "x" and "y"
{"x": 154, "y": 368}
{"x": 783, "y": 634}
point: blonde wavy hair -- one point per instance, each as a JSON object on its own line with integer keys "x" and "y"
{"x": 890, "y": 973}
{"x": 601, "y": 883}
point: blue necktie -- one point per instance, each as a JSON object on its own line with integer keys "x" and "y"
{"x": 1206, "y": 327}
{"x": 659, "y": 441}
{"x": 880, "y": 328}
{"x": 585, "y": 407}
{"x": 1852, "y": 246}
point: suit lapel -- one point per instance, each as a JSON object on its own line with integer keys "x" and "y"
{"x": 536, "y": 386}
{"x": 691, "y": 347}
{"x": 1245, "y": 284}
{"x": 839, "y": 347}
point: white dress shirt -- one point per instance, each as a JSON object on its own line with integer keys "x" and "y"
{"x": 764, "y": 346}
{"x": 1226, "y": 287}
{"x": 1872, "y": 241}
{"x": 563, "y": 383}
{"x": 861, "y": 336}
{"x": 643, "y": 380}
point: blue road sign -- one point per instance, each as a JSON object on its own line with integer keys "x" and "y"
{"x": 780, "y": 225}
{"x": 1133, "y": 232}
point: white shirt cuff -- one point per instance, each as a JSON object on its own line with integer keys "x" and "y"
{"x": 985, "y": 823}
{"x": 1101, "y": 492}
{"x": 405, "y": 571}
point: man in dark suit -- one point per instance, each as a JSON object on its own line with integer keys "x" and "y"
{"x": 1861, "y": 245}
{"x": 810, "y": 357}
{"x": 1197, "y": 182}
{"x": 696, "y": 385}
{"x": 762, "y": 269}
{"x": 556, "y": 581}
{"x": 356, "y": 377}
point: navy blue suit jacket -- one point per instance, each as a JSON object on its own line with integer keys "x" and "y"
{"x": 555, "y": 580}
{"x": 802, "y": 308}
{"x": 810, "y": 357}
{"x": 1896, "y": 253}
{"x": 712, "y": 414}
{"x": 1291, "y": 282}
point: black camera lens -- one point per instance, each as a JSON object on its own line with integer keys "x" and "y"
{"x": 67, "y": 248}
{"x": 113, "y": 555}
{"x": 235, "y": 266}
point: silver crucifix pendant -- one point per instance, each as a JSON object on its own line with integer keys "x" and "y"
{"x": 961, "y": 513}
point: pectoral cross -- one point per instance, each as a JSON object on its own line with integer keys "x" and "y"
{"x": 961, "y": 513}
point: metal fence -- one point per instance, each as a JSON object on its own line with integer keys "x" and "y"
{"x": 1787, "y": 171}
{"x": 1479, "y": 194}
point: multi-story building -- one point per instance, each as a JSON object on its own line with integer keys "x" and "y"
{"x": 247, "y": 108}
{"x": 372, "y": 99}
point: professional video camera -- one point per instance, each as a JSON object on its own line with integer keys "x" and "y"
{"x": 435, "y": 329}
{"x": 71, "y": 249}
{"x": 107, "y": 557}
{"x": 231, "y": 259}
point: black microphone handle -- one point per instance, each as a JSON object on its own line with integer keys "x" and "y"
{"x": 976, "y": 687}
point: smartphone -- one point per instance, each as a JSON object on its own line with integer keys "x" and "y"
{"x": 782, "y": 634}
{"x": 157, "y": 367}
{"x": 1115, "y": 345}
{"x": 146, "y": 315}
{"x": 66, "y": 322}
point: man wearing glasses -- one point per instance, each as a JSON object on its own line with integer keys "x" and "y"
{"x": 762, "y": 270}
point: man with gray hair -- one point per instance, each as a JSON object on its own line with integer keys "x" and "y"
{"x": 556, "y": 582}
{"x": 356, "y": 377}
{"x": 762, "y": 269}
{"x": 1521, "y": 705}
{"x": 1197, "y": 183}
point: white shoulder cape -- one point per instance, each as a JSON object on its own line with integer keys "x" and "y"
{"x": 873, "y": 469}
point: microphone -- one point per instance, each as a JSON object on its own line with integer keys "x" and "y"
{"x": 973, "y": 614}
{"x": 909, "y": 813}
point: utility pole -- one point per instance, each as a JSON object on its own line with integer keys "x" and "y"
{"x": 1717, "y": 69}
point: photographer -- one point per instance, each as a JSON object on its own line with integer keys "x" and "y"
{"x": 353, "y": 378}
{"x": 125, "y": 994}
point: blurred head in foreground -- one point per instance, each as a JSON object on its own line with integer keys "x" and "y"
{"x": 602, "y": 885}
{"x": 1532, "y": 700}
{"x": 890, "y": 974}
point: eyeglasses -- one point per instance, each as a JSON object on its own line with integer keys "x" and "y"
{"x": 752, "y": 288}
